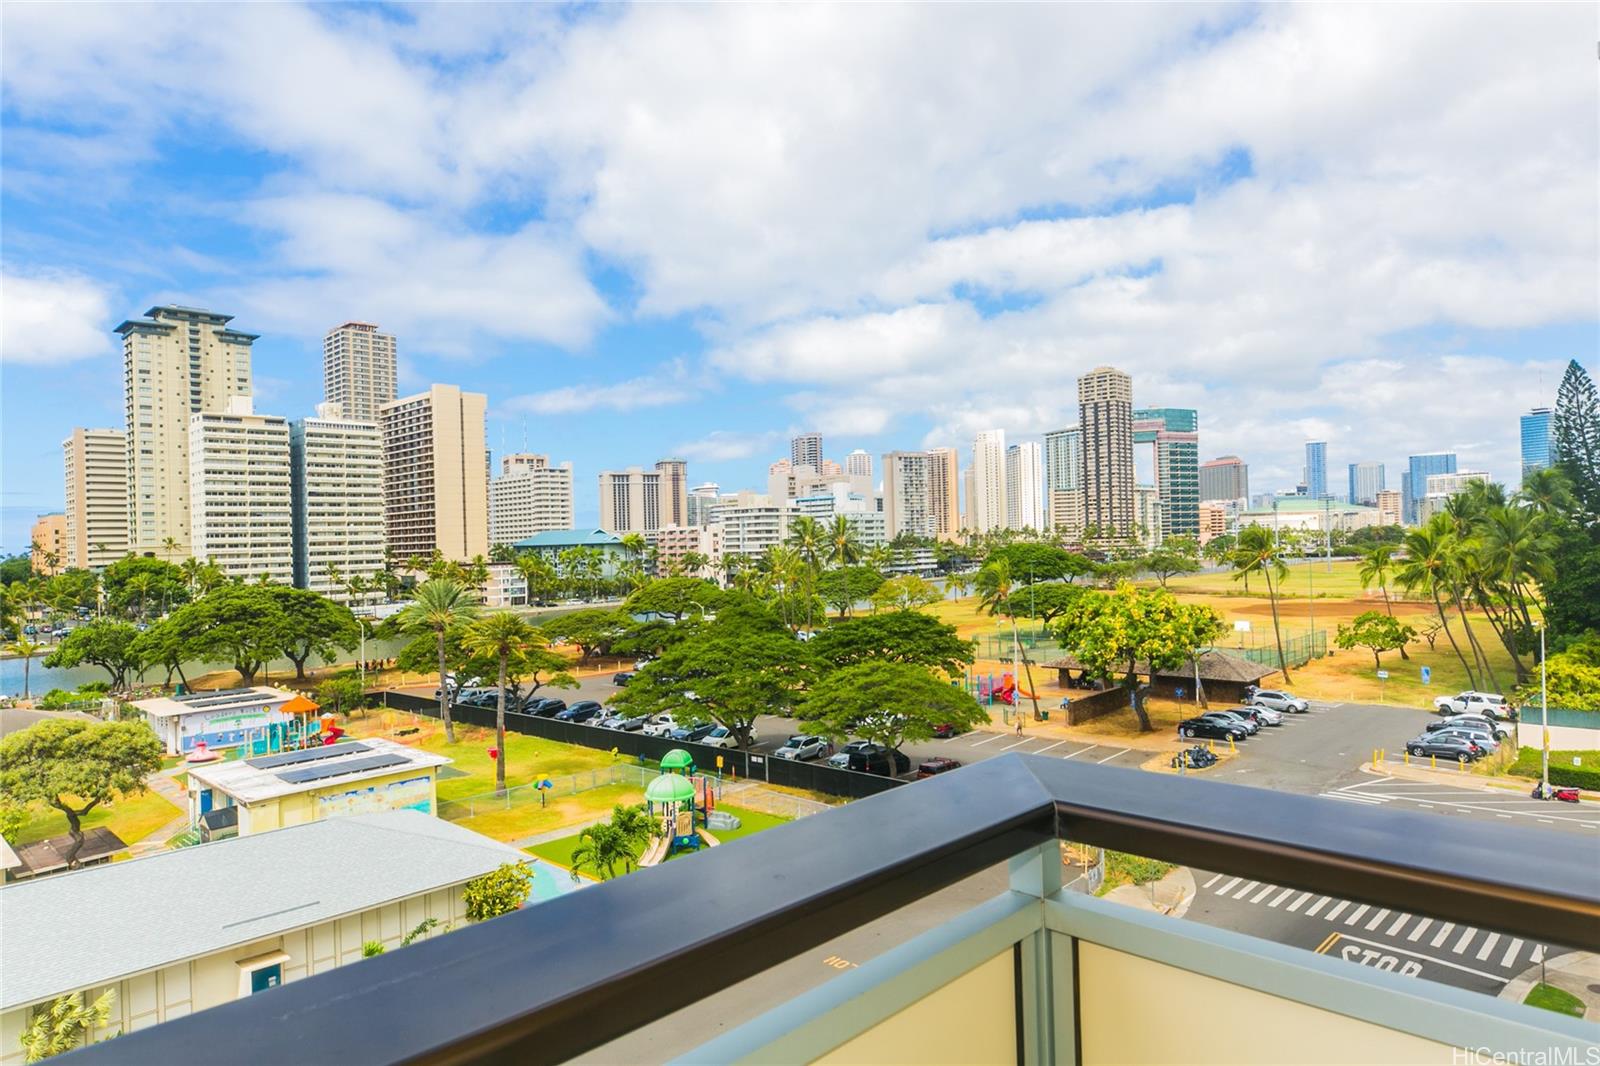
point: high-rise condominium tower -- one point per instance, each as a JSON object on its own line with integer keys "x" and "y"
{"x": 988, "y": 503}
{"x": 806, "y": 450}
{"x": 907, "y": 495}
{"x": 1366, "y": 481}
{"x": 674, "y": 491}
{"x": 436, "y": 474}
{"x": 1225, "y": 478}
{"x": 1105, "y": 417}
{"x": 1024, "y": 480}
{"x": 177, "y": 362}
{"x": 96, "y": 462}
{"x": 240, "y": 499}
{"x": 336, "y": 475}
{"x": 1174, "y": 433}
{"x": 1063, "y": 479}
{"x": 530, "y": 496}
{"x": 1316, "y": 470}
{"x": 858, "y": 464}
{"x": 1538, "y": 440}
{"x": 1414, "y": 482}
{"x": 358, "y": 370}
{"x": 944, "y": 491}
{"x": 630, "y": 500}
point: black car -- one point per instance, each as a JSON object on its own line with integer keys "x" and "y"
{"x": 621, "y": 677}
{"x": 1210, "y": 727}
{"x": 544, "y": 706}
{"x": 692, "y": 733}
{"x": 877, "y": 761}
{"x": 1445, "y": 747}
{"x": 582, "y": 711}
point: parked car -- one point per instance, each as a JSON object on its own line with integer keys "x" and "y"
{"x": 544, "y": 706}
{"x": 633, "y": 723}
{"x": 1476, "y": 734}
{"x": 586, "y": 705}
{"x": 939, "y": 765}
{"x": 660, "y": 725}
{"x": 621, "y": 677}
{"x": 1218, "y": 728}
{"x": 1250, "y": 725}
{"x": 866, "y": 757}
{"x": 581, "y": 714}
{"x": 1457, "y": 748}
{"x": 803, "y": 748}
{"x": 693, "y": 733}
{"x": 1488, "y": 704}
{"x": 723, "y": 737}
{"x": 1489, "y": 725}
{"x": 1279, "y": 701}
{"x": 945, "y": 731}
{"x": 1261, "y": 714}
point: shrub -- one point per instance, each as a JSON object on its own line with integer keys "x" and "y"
{"x": 498, "y": 892}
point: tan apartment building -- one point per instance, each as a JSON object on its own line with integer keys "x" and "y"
{"x": 1391, "y": 508}
{"x": 436, "y": 474}
{"x": 908, "y": 495}
{"x": 359, "y": 371}
{"x": 177, "y": 362}
{"x": 240, "y": 504}
{"x": 944, "y": 491}
{"x": 1214, "y": 522}
{"x": 530, "y": 496}
{"x": 630, "y": 500}
{"x": 674, "y": 491}
{"x": 48, "y": 542}
{"x": 1105, "y": 419}
{"x": 336, "y": 479}
{"x": 987, "y": 506}
{"x": 96, "y": 469}
{"x": 673, "y": 543}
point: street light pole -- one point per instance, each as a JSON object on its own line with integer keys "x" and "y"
{"x": 1544, "y": 722}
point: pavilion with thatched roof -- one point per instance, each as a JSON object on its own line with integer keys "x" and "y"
{"x": 1224, "y": 675}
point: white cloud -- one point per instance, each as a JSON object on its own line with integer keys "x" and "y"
{"x": 658, "y": 390}
{"x": 52, "y": 318}
{"x": 723, "y": 446}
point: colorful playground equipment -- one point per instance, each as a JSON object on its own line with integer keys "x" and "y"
{"x": 683, "y": 802}
{"x": 1004, "y": 691}
{"x": 305, "y": 730}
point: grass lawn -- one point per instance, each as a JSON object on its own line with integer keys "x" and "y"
{"x": 525, "y": 819}
{"x": 132, "y": 819}
{"x": 1341, "y": 581}
{"x": 1125, "y": 869}
{"x": 560, "y": 851}
{"x": 1549, "y": 997}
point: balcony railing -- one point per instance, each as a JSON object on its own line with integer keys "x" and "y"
{"x": 1035, "y": 975}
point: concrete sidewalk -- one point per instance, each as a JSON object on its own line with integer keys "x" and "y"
{"x": 1577, "y": 972}
{"x": 1171, "y": 895}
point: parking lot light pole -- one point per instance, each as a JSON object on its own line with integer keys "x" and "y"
{"x": 1544, "y": 721}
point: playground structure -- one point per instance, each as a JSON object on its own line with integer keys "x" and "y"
{"x": 305, "y": 730}
{"x": 685, "y": 805}
{"x": 1004, "y": 691}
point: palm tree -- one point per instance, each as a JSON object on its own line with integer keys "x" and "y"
{"x": 1428, "y": 560}
{"x": 505, "y": 636}
{"x": 1517, "y": 550}
{"x": 807, "y": 538}
{"x": 26, "y": 648}
{"x": 635, "y": 824}
{"x": 958, "y": 583}
{"x": 601, "y": 849}
{"x": 1255, "y": 552}
{"x": 439, "y": 604}
{"x": 169, "y": 547}
{"x": 1377, "y": 564}
{"x": 844, "y": 543}
{"x": 994, "y": 592}
{"x": 143, "y": 584}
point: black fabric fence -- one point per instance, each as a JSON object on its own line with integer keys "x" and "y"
{"x": 816, "y": 776}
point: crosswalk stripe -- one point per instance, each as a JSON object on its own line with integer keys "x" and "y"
{"x": 1223, "y": 891}
{"x": 1286, "y": 894}
{"x": 1399, "y": 924}
{"x": 1377, "y": 919}
{"x": 1422, "y": 927}
{"x": 1331, "y": 915}
{"x": 1263, "y": 894}
{"x": 1466, "y": 938}
{"x": 1488, "y": 946}
{"x": 1355, "y": 915}
{"x": 1443, "y": 932}
{"x": 1317, "y": 906}
{"x": 1301, "y": 902}
{"x": 1214, "y": 879}
{"x": 1537, "y": 954}
{"x": 1511, "y": 953}
{"x": 1352, "y": 797}
{"x": 1245, "y": 891}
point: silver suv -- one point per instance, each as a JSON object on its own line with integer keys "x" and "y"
{"x": 1279, "y": 701}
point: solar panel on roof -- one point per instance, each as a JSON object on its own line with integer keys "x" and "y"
{"x": 291, "y": 758}
{"x": 197, "y": 697}
{"x": 321, "y": 770}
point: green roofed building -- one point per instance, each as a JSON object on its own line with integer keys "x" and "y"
{"x": 553, "y": 543}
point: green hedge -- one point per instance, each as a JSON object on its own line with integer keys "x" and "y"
{"x": 1562, "y": 772}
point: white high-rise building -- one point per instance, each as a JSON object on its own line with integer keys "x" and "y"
{"x": 907, "y": 495}
{"x": 988, "y": 503}
{"x": 751, "y": 523}
{"x": 240, "y": 501}
{"x": 1147, "y": 509}
{"x": 336, "y": 481}
{"x": 96, "y": 462}
{"x": 1105, "y": 418}
{"x": 530, "y": 496}
{"x": 806, "y": 450}
{"x": 177, "y": 362}
{"x": 436, "y": 474}
{"x": 858, "y": 464}
{"x": 630, "y": 500}
{"x": 1063, "y": 479}
{"x": 702, "y": 498}
{"x": 1024, "y": 480}
{"x": 359, "y": 370}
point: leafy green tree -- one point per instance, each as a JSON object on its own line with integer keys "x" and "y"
{"x": 243, "y": 624}
{"x": 1033, "y": 562}
{"x": 743, "y": 665}
{"x": 634, "y": 823}
{"x": 163, "y": 584}
{"x": 905, "y": 593}
{"x": 497, "y": 892}
{"x": 26, "y": 648}
{"x": 1044, "y": 602}
{"x": 341, "y": 692}
{"x": 1175, "y": 556}
{"x": 108, "y": 645}
{"x": 1255, "y": 552}
{"x": 1572, "y": 678}
{"x": 888, "y": 703}
{"x": 844, "y": 587}
{"x": 594, "y": 629}
{"x": 439, "y": 605}
{"x": 1375, "y": 631}
{"x": 315, "y": 626}
{"x": 507, "y": 638}
{"x": 543, "y": 581}
{"x": 995, "y": 587}
{"x": 909, "y": 637}
{"x": 64, "y": 1024}
{"x": 674, "y": 597}
{"x": 75, "y": 766}
{"x": 1111, "y": 632}
{"x": 166, "y": 645}
{"x": 1429, "y": 565}
{"x": 1577, "y": 435}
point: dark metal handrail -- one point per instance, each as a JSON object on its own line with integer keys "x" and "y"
{"x": 565, "y": 976}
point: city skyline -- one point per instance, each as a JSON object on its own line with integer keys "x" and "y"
{"x": 375, "y": 186}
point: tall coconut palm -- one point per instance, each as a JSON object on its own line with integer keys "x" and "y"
{"x": 27, "y": 648}
{"x": 1464, "y": 573}
{"x": 807, "y": 538}
{"x": 1255, "y": 552}
{"x": 506, "y": 637}
{"x": 1428, "y": 561}
{"x": 844, "y": 543}
{"x": 994, "y": 590}
{"x": 439, "y": 604}
{"x": 959, "y": 583}
{"x": 1377, "y": 566}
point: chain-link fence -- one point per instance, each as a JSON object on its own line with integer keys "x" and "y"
{"x": 1263, "y": 648}
{"x": 756, "y": 798}
{"x": 457, "y": 810}
{"x": 1037, "y": 642}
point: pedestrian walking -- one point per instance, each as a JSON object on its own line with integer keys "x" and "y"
{"x": 1019, "y": 723}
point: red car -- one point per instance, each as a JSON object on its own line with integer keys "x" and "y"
{"x": 946, "y": 731}
{"x": 941, "y": 765}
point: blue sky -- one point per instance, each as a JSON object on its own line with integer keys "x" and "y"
{"x": 695, "y": 230}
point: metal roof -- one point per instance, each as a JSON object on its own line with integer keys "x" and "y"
{"x": 94, "y": 926}
{"x": 223, "y": 699}
{"x": 570, "y": 538}
{"x": 247, "y": 781}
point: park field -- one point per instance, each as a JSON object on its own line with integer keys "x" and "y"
{"x": 130, "y": 817}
